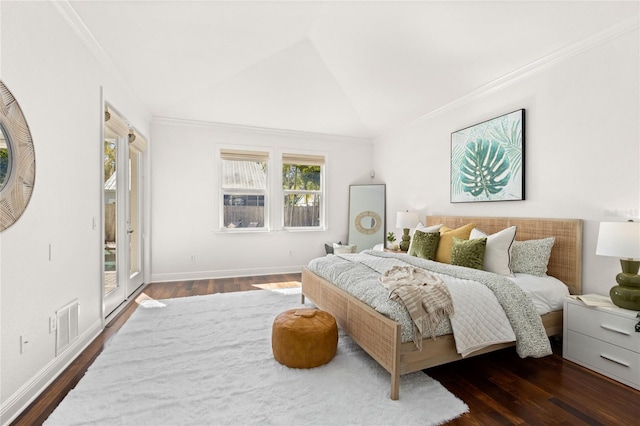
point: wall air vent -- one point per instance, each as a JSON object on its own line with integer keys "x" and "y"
{"x": 67, "y": 326}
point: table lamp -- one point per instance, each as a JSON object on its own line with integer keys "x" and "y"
{"x": 622, "y": 239}
{"x": 406, "y": 220}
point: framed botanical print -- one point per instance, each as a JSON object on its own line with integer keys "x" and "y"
{"x": 487, "y": 160}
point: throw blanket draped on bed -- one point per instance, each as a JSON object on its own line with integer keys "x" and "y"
{"x": 425, "y": 296}
{"x": 359, "y": 275}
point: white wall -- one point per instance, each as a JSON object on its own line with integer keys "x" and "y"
{"x": 57, "y": 82}
{"x": 185, "y": 202}
{"x": 582, "y": 148}
{"x": 582, "y": 161}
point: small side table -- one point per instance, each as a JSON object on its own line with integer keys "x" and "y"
{"x": 388, "y": 250}
{"x": 603, "y": 339}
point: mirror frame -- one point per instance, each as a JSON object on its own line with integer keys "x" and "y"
{"x": 17, "y": 190}
{"x": 367, "y": 202}
{"x": 5, "y": 137}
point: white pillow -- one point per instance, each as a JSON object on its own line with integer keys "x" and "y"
{"x": 497, "y": 252}
{"x": 423, "y": 228}
{"x": 342, "y": 249}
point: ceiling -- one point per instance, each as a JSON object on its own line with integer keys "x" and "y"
{"x": 356, "y": 68}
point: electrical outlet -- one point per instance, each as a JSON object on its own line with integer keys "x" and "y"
{"x": 53, "y": 324}
{"x": 192, "y": 259}
{"x": 24, "y": 343}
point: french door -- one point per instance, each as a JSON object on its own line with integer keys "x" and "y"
{"x": 122, "y": 213}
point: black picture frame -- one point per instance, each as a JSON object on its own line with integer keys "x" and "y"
{"x": 488, "y": 160}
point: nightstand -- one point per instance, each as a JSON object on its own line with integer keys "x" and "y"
{"x": 602, "y": 339}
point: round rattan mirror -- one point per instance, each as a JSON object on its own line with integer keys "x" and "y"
{"x": 17, "y": 162}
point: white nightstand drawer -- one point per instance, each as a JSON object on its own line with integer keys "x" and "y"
{"x": 604, "y": 325}
{"x": 605, "y": 358}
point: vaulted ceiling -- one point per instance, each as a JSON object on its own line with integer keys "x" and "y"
{"x": 355, "y": 68}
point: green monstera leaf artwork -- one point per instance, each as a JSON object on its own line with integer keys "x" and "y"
{"x": 487, "y": 160}
{"x": 484, "y": 168}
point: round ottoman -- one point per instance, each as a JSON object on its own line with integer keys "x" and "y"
{"x": 304, "y": 338}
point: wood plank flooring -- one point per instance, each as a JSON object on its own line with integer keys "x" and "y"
{"x": 499, "y": 388}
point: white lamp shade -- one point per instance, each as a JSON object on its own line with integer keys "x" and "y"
{"x": 406, "y": 220}
{"x": 619, "y": 239}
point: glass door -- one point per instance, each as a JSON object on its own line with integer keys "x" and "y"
{"x": 114, "y": 290}
{"x": 123, "y": 211}
{"x": 134, "y": 220}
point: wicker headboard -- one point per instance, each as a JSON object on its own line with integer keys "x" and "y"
{"x": 566, "y": 255}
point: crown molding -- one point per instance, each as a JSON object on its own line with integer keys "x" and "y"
{"x": 530, "y": 69}
{"x": 79, "y": 27}
{"x": 261, "y": 130}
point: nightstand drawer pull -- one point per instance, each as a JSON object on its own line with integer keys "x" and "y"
{"x": 624, "y": 364}
{"x": 616, "y": 330}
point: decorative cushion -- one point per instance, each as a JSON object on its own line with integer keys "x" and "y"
{"x": 342, "y": 249}
{"x": 531, "y": 256}
{"x": 328, "y": 248}
{"x": 424, "y": 244}
{"x": 423, "y": 228}
{"x": 497, "y": 253}
{"x": 469, "y": 253}
{"x": 443, "y": 254}
{"x": 304, "y": 338}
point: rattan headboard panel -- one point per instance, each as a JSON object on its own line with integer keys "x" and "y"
{"x": 566, "y": 255}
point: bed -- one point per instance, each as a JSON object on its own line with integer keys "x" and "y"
{"x": 380, "y": 336}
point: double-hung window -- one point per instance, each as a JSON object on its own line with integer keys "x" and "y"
{"x": 303, "y": 188}
{"x": 244, "y": 189}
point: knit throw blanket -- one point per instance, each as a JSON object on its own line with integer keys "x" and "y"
{"x": 425, "y": 296}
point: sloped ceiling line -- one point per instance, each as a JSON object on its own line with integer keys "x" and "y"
{"x": 367, "y": 83}
{"x": 78, "y": 26}
{"x": 337, "y": 81}
{"x": 533, "y": 68}
{"x": 262, "y": 130}
{"x": 292, "y": 82}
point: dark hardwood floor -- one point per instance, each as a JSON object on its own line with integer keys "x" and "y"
{"x": 499, "y": 388}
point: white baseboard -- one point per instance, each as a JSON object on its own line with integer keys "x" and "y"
{"x": 228, "y": 273}
{"x": 28, "y": 392}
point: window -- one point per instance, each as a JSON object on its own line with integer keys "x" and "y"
{"x": 302, "y": 184}
{"x": 244, "y": 188}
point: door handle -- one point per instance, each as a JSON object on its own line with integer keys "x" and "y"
{"x": 130, "y": 231}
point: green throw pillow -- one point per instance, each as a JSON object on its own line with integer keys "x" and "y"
{"x": 424, "y": 244}
{"x": 469, "y": 253}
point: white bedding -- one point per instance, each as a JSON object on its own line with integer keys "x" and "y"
{"x": 479, "y": 320}
{"x": 358, "y": 274}
{"x": 547, "y": 293}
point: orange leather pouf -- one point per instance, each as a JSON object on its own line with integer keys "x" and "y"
{"x": 304, "y": 338}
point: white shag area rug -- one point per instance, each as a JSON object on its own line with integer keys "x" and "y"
{"x": 207, "y": 360}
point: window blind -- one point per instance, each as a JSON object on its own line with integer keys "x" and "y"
{"x": 239, "y": 155}
{"x": 137, "y": 141}
{"x": 114, "y": 125}
{"x": 311, "y": 160}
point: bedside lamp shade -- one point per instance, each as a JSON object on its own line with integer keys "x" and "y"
{"x": 619, "y": 239}
{"x": 406, "y": 220}
{"x": 622, "y": 239}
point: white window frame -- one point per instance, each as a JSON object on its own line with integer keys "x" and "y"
{"x": 304, "y": 158}
{"x": 245, "y": 154}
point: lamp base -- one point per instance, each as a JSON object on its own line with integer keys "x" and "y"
{"x": 627, "y": 293}
{"x": 404, "y": 245}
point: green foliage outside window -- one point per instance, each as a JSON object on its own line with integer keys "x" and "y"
{"x": 109, "y": 159}
{"x": 302, "y": 187}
